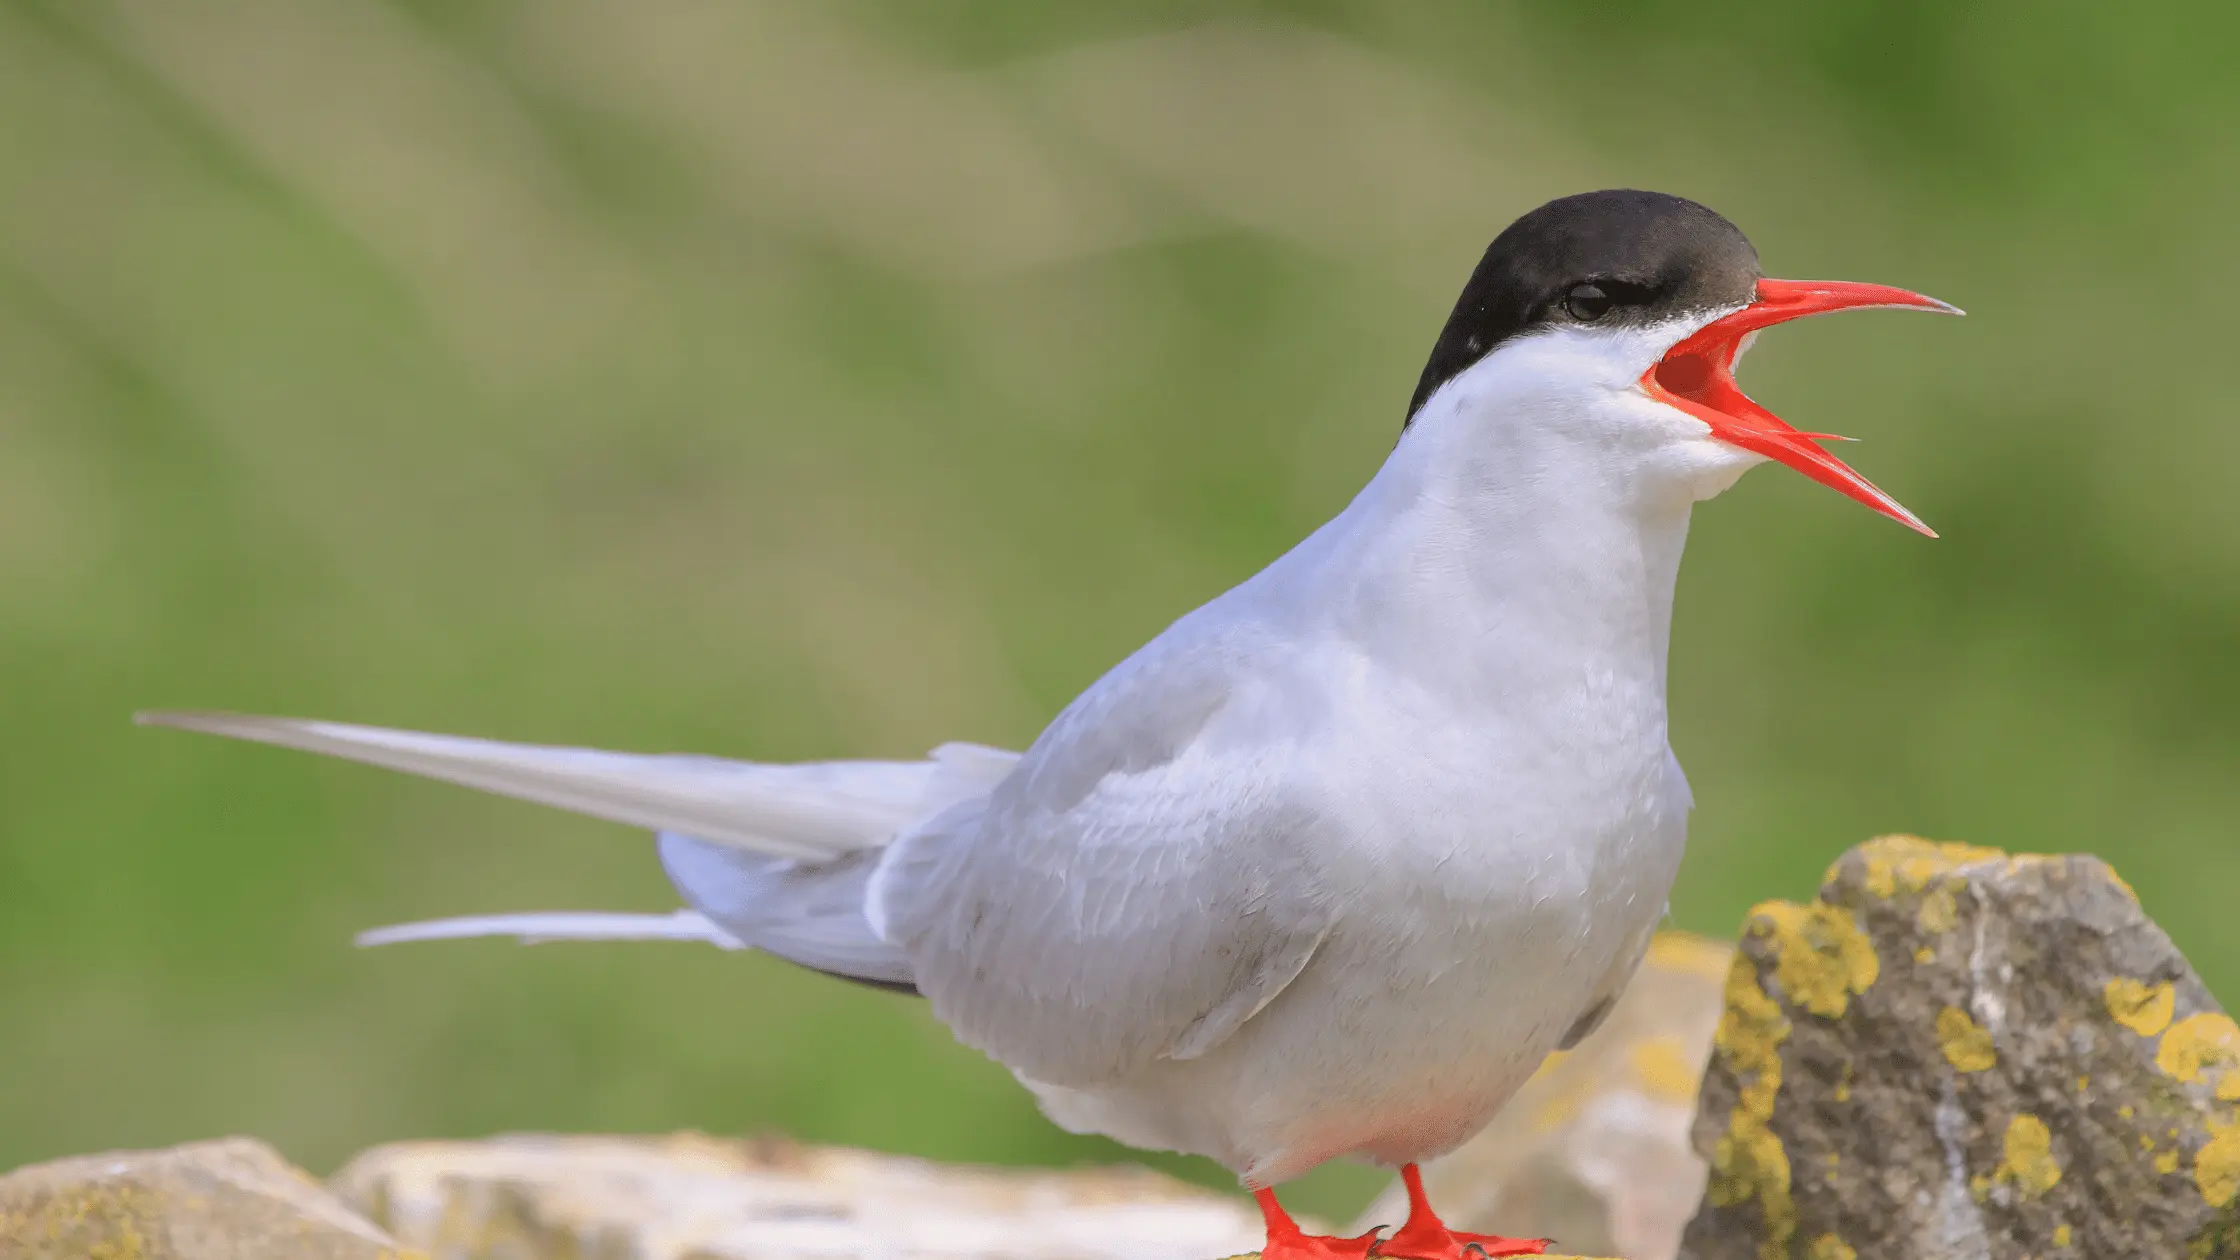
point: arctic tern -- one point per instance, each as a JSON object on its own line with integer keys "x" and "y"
{"x": 1329, "y": 866}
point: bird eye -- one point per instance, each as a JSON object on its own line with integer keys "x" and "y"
{"x": 1587, "y": 302}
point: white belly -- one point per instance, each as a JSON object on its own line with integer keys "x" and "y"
{"x": 1474, "y": 950}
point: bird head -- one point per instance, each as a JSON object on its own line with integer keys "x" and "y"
{"x": 1652, "y": 297}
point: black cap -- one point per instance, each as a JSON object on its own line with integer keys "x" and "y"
{"x": 1616, "y": 257}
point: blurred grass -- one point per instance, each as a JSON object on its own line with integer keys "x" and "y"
{"x": 798, "y": 380}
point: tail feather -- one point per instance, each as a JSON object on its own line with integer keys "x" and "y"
{"x": 538, "y": 927}
{"x": 770, "y": 857}
{"x": 810, "y": 812}
{"x": 559, "y": 925}
{"x": 809, "y": 915}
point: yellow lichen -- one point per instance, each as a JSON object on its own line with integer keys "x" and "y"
{"x": 1907, "y": 863}
{"x": 1882, "y": 879}
{"x": 1965, "y": 1043}
{"x": 2146, "y": 1141}
{"x": 2120, "y": 882}
{"x": 2061, "y": 1235}
{"x": 1830, "y": 1247}
{"x": 2084, "y": 1083}
{"x": 2166, "y": 1162}
{"x": 2027, "y": 1157}
{"x": 2124, "y": 1111}
{"x": 1748, "y": 1161}
{"x": 2216, "y": 1166}
{"x": 1979, "y": 1187}
{"x": 2143, "y": 1008}
{"x": 1924, "y": 955}
{"x": 1939, "y": 911}
{"x": 1821, "y": 958}
{"x": 1665, "y": 1069}
{"x": 2197, "y": 1043}
{"x": 1687, "y": 952}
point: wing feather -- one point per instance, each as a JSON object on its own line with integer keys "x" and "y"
{"x": 1140, "y": 888}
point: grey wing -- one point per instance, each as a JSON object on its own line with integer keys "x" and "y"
{"x": 1141, "y": 887}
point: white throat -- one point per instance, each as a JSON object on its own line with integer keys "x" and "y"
{"x": 1523, "y": 539}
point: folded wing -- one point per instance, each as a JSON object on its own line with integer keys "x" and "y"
{"x": 1139, "y": 888}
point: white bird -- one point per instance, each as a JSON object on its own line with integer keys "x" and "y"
{"x": 1328, "y": 867}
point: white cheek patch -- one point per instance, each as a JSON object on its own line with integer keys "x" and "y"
{"x": 1564, "y": 368}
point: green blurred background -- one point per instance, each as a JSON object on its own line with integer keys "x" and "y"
{"x": 814, "y": 379}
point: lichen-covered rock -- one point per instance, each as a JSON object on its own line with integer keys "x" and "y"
{"x": 1594, "y": 1151}
{"x": 234, "y": 1199}
{"x": 1957, "y": 1053}
{"x": 668, "y": 1198}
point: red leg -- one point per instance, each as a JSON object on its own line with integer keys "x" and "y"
{"x": 1286, "y": 1241}
{"x": 1425, "y": 1237}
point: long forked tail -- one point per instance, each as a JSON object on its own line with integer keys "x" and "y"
{"x": 770, "y": 857}
{"x": 808, "y": 812}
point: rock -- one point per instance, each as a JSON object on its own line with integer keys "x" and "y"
{"x": 234, "y": 1199}
{"x": 1957, "y": 1053}
{"x": 1594, "y": 1151}
{"x": 622, "y": 1198}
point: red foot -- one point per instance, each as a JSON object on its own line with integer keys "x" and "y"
{"x": 1286, "y": 1241}
{"x": 1425, "y": 1237}
{"x": 1440, "y": 1243}
{"x": 1320, "y": 1247}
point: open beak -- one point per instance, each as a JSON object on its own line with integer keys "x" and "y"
{"x": 1697, "y": 376}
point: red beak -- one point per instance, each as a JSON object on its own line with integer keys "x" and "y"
{"x": 1697, "y": 376}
